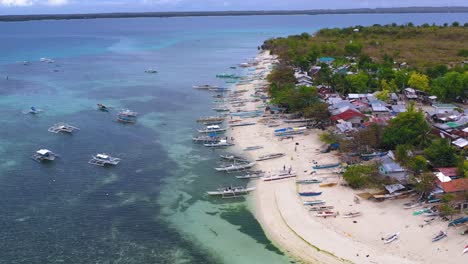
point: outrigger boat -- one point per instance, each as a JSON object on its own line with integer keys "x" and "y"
{"x": 205, "y": 86}
{"x": 310, "y": 193}
{"x": 252, "y": 148}
{"x": 279, "y": 176}
{"x": 459, "y": 221}
{"x": 308, "y": 181}
{"x": 320, "y": 208}
{"x": 439, "y": 236}
{"x": 44, "y": 155}
{"x": 271, "y": 156}
{"x": 391, "y": 238}
{"x": 103, "y": 107}
{"x": 315, "y": 202}
{"x": 421, "y": 211}
{"x": 234, "y": 158}
{"x": 127, "y": 116}
{"x": 351, "y": 214}
{"x": 220, "y": 109}
{"x": 33, "y": 110}
{"x": 62, "y": 127}
{"x": 205, "y": 139}
{"x": 466, "y": 249}
{"x": 236, "y": 167}
{"x": 231, "y": 192}
{"x": 326, "y": 166}
{"x": 210, "y": 119}
{"x": 243, "y": 124}
{"x": 104, "y": 159}
{"x": 212, "y": 129}
{"x": 252, "y": 175}
{"x": 220, "y": 144}
{"x": 151, "y": 71}
{"x": 326, "y": 214}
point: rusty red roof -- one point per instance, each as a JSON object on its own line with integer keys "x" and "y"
{"x": 450, "y": 171}
{"x": 458, "y": 185}
{"x": 348, "y": 114}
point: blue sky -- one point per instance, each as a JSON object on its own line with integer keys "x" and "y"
{"x": 88, "y": 6}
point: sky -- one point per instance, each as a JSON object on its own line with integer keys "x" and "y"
{"x": 11, "y": 7}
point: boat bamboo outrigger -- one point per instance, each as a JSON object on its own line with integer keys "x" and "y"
{"x": 231, "y": 192}
{"x": 33, "y": 110}
{"x": 439, "y": 236}
{"x": 211, "y": 119}
{"x": 234, "y": 158}
{"x": 212, "y": 129}
{"x": 252, "y": 175}
{"x": 220, "y": 144}
{"x": 236, "y": 167}
{"x": 320, "y": 208}
{"x": 44, "y": 155}
{"x": 351, "y": 214}
{"x": 326, "y": 166}
{"x": 308, "y": 181}
{"x": 280, "y": 176}
{"x": 391, "y": 238}
{"x": 314, "y": 202}
{"x": 62, "y": 127}
{"x": 103, "y": 160}
{"x": 326, "y": 214}
{"x": 271, "y": 156}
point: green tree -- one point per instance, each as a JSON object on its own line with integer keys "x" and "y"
{"x": 424, "y": 183}
{"x": 419, "y": 81}
{"x": 401, "y": 79}
{"x": 451, "y": 86}
{"x": 353, "y": 48}
{"x": 409, "y": 127}
{"x": 383, "y": 95}
{"x": 359, "y": 176}
{"x": 441, "y": 153}
{"x": 357, "y": 82}
{"x": 418, "y": 164}
{"x": 402, "y": 154}
{"x": 281, "y": 76}
{"x": 447, "y": 210}
{"x": 318, "y": 112}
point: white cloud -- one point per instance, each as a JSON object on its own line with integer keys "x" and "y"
{"x": 57, "y": 2}
{"x": 16, "y": 2}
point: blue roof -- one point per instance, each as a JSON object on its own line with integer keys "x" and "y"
{"x": 326, "y": 59}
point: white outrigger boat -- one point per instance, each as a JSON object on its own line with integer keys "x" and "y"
{"x": 44, "y": 155}
{"x": 391, "y": 238}
{"x": 128, "y": 112}
{"x": 326, "y": 214}
{"x": 280, "y": 176}
{"x": 351, "y": 214}
{"x": 62, "y": 127}
{"x": 212, "y": 129}
{"x": 251, "y": 175}
{"x": 270, "y": 156}
{"x": 104, "y": 159}
{"x": 308, "y": 181}
{"x": 231, "y": 192}
{"x": 234, "y": 158}
{"x": 236, "y": 167}
{"x": 220, "y": 144}
{"x": 321, "y": 208}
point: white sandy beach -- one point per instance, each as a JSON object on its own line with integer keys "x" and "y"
{"x": 311, "y": 239}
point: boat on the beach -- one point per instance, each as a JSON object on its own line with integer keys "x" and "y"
{"x": 310, "y": 193}
{"x": 219, "y": 89}
{"x": 308, "y": 181}
{"x": 326, "y": 166}
{"x": 351, "y": 214}
{"x": 321, "y": 208}
{"x": 326, "y": 214}
{"x": 210, "y": 119}
{"x": 252, "y": 148}
{"x": 44, "y": 155}
{"x": 314, "y": 202}
{"x": 391, "y": 238}
{"x": 270, "y": 156}
{"x": 62, "y": 127}
{"x": 251, "y": 175}
{"x": 103, "y": 108}
{"x": 431, "y": 213}
{"x": 329, "y": 184}
{"x": 220, "y": 144}
{"x": 421, "y": 211}
{"x": 234, "y": 158}
{"x": 220, "y": 109}
{"x": 466, "y": 249}
{"x": 289, "y": 131}
{"x": 372, "y": 155}
{"x": 205, "y": 139}
{"x": 300, "y": 120}
{"x": 243, "y": 124}
{"x": 236, "y": 167}
{"x": 439, "y": 236}
{"x": 212, "y": 129}
{"x": 459, "y": 221}
{"x": 231, "y": 192}
{"x": 103, "y": 160}
{"x": 411, "y": 205}
{"x": 205, "y": 86}
{"x": 280, "y": 176}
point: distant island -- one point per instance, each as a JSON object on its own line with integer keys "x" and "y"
{"x": 448, "y": 9}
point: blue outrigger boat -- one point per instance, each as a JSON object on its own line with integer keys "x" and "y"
{"x": 326, "y": 166}
{"x": 310, "y": 193}
{"x": 459, "y": 221}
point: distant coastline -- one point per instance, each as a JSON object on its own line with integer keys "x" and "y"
{"x": 453, "y": 9}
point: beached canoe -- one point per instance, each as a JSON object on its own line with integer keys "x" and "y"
{"x": 308, "y": 181}
{"x": 439, "y": 236}
{"x": 351, "y": 214}
{"x": 391, "y": 238}
{"x": 326, "y": 166}
{"x": 310, "y": 193}
{"x": 326, "y": 214}
{"x": 313, "y": 202}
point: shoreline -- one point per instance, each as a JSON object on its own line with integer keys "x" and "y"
{"x": 310, "y": 239}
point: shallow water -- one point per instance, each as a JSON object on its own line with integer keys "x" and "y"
{"x": 151, "y": 208}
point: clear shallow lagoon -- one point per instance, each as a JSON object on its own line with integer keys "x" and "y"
{"x": 151, "y": 207}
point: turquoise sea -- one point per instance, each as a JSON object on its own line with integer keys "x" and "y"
{"x": 151, "y": 208}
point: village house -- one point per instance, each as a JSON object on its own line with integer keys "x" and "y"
{"x": 410, "y": 93}
{"x": 443, "y": 108}
{"x": 389, "y": 167}
{"x": 350, "y": 115}
{"x": 455, "y": 186}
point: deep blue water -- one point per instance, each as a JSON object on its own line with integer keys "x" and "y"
{"x": 151, "y": 207}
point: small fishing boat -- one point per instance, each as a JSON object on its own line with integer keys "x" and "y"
{"x": 33, "y": 110}
{"x": 219, "y": 89}
{"x": 320, "y": 208}
{"x": 466, "y": 249}
{"x": 231, "y": 192}
{"x": 459, "y": 221}
{"x": 271, "y": 156}
{"x": 103, "y": 107}
{"x": 326, "y": 166}
{"x": 252, "y": 148}
{"x": 391, "y": 238}
{"x": 210, "y": 119}
{"x": 280, "y": 176}
{"x": 44, "y": 155}
{"x": 220, "y": 144}
{"x": 351, "y": 214}
{"x": 251, "y": 175}
{"x": 205, "y": 87}
{"x": 205, "y": 139}
{"x": 151, "y": 71}
{"x": 212, "y": 129}
{"x": 439, "y": 236}
{"x": 330, "y": 184}
{"x": 310, "y": 193}
{"x": 126, "y": 119}
{"x": 411, "y": 205}
{"x": 326, "y": 214}
{"x": 220, "y": 109}
{"x": 103, "y": 160}
{"x": 421, "y": 211}
{"x": 315, "y": 202}
{"x": 62, "y": 127}
{"x": 234, "y": 158}
{"x": 431, "y": 213}
{"x": 308, "y": 181}
{"x": 236, "y": 167}
{"x": 129, "y": 113}
{"x": 243, "y": 124}
{"x": 211, "y": 123}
